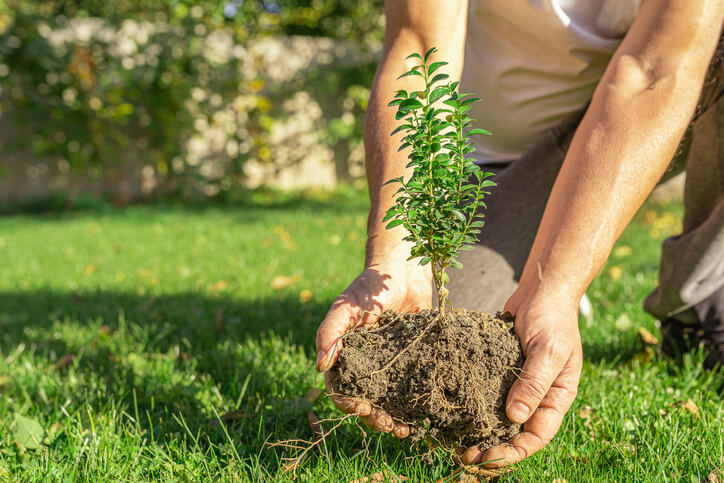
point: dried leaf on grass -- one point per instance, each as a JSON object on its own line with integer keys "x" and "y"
{"x": 283, "y": 281}
{"x": 305, "y": 296}
{"x": 380, "y": 477}
{"x": 647, "y": 337}
{"x": 688, "y": 405}
{"x": 716, "y": 475}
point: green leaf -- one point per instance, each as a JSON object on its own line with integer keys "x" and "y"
{"x": 400, "y": 128}
{"x": 394, "y": 223}
{"x": 410, "y": 72}
{"x": 473, "y": 132}
{"x": 401, "y": 93}
{"x": 455, "y": 264}
{"x": 429, "y": 53}
{"x": 27, "y": 432}
{"x": 409, "y": 104}
{"x": 438, "y": 78}
{"x": 434, "y": 66}
{"x": 459, "y": 215}
{"x": 425, "y": 261}
{"x": 413, "y": 56}
{"x": 394, "y": 102}
{"x": 470, "y": 100}
{"x": 438, "y": 93}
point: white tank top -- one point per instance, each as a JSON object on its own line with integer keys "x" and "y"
{"x": 534, "y": 62}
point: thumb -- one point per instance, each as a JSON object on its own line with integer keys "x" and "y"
{"x": 542, "y": 366}
{"x": 341, "y": 316}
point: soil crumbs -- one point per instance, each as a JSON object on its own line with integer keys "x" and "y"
{"x": 448, "y": 380}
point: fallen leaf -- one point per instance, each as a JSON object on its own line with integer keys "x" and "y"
{"x": 283, "y": 281}
{"x": 690, "y": 406}
{"x": 716, "y": 475}
{"x": 313, "y": 394}
{"x": 218, "y": 286}
{"x": 622, "y": 251}
{"x": 64, "y": 361}
{"x": 89, "y": 269}
{"x": 647, "y": 337}
{"x": 615, "y": 273}
{"x": 379, "y": 477}
{"x": 559, "y": 480}
{"x": 305, "y": 296}
{"x": 27, "y": 432}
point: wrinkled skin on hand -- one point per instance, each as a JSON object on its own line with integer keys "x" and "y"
{"x": 549, "y": 335}
{"x": 402, "y": 287}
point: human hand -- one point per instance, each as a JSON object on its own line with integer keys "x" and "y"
{"x": 548, "y": 329}
{"x": 390, "y": 284}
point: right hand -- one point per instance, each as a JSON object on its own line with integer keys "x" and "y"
{"x": 401, "y": 286}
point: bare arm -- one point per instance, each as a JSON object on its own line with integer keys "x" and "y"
{"x": 625, "y": 142}
{"x": 412, "y": 26}
{"x": 627, "y": 138}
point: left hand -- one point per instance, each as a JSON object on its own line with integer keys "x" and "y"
{"x": 551, "y": 342}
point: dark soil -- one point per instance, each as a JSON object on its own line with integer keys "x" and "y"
{"x": 446, "y": 379}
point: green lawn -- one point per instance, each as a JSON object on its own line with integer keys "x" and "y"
{"x": 171, "y": 321}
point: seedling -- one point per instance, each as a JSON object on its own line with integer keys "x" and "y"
{"x": 438, "y": 204}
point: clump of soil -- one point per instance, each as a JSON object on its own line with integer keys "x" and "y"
{"x": 447, "y": 379}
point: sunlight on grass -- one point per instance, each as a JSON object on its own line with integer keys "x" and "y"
{"x": 126, "y": 334}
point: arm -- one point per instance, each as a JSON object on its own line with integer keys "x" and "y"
{"x": 411, "y": 27}
{"x": 388, "y": 281}
{"x": 625, "y": 142}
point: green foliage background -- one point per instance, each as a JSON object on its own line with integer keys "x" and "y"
{"x": 87, "y": 104}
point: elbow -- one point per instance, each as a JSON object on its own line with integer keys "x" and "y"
{"x": 665, "y": 79}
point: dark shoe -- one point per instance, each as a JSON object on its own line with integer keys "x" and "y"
{"x": 679, "y": 338}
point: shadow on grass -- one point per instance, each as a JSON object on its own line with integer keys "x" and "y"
{"x": 257, "y": 353}
{"x": 166, "y": 361}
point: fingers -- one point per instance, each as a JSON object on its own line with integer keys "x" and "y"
{"x": 381, "y": 421}
{"x": 540, "y": 428}
{"x": 372, "y": 417}
{"x": 543, "y": 364}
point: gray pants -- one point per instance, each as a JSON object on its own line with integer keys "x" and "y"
{"x": 692, "y": 263}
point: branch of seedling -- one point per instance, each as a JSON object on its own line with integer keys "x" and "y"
{"x": 438, "y": 204}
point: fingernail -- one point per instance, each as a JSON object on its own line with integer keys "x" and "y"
{"x": 518, "y": 412}
{"x": 320, "y": 360}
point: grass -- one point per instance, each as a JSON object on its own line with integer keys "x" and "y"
{"x": 127, "y": 333}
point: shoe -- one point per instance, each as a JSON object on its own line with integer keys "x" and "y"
{"x": 679, "y": 338}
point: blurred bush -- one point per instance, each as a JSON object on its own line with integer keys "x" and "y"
{"x": 96, "y": 85}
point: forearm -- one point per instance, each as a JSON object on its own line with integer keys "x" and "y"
{"x": 623, "y": 146}
{"x": 410, "y": 28}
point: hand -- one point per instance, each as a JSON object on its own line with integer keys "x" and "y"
{"x": 388, "y": 285}
{"x": 548, "y": 331}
